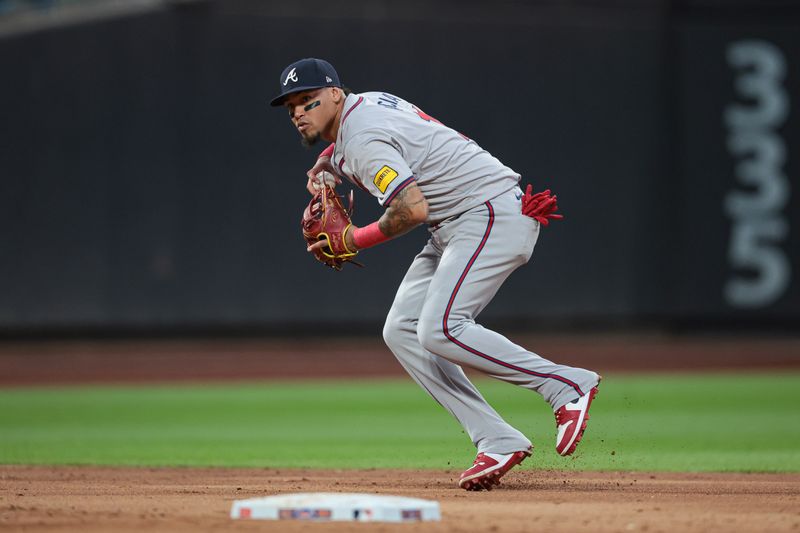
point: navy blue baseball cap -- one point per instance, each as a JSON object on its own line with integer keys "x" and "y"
{"x": 309, "y": 73}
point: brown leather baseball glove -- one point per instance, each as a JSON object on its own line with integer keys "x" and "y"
{"x": 326, "y": 218}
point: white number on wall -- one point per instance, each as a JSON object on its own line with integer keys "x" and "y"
{"x": 761, "y": 268}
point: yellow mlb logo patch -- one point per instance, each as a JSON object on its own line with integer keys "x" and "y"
{"x": 384, "y": 177}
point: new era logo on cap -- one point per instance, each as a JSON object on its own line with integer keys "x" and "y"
{"x": 309, "y": 73}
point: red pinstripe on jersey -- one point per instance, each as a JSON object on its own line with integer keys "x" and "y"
{"x": 473, "y": 350}
{"x": 347, "y": 113}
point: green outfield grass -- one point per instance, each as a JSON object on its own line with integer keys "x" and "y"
{"x": 702, "y": 422}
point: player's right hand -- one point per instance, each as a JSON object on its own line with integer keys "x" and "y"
{"x": 321, "y": 172}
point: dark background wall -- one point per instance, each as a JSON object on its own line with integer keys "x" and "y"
{"x": 146, "y": 184}
{"x": 736, "y": 147}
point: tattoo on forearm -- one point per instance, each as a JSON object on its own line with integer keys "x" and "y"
{"x": 398, "y": 217}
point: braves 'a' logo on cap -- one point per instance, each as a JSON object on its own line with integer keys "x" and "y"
{"x": 291, "y": 76}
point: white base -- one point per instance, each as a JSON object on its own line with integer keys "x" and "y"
{"x": 331, "y": 506}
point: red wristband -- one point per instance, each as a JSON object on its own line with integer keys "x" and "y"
{"x": 327, "y": 152}
{"x": 368, "y": 236}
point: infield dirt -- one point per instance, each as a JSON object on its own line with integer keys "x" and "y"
{"x": 93, "y": 499}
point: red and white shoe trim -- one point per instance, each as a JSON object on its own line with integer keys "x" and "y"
{"x": 571, "y": 422}
{"x": 488, "y": 468}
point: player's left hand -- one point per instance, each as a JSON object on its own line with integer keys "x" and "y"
{"x": 541, "y": 206}
{"x": 323, "y": 242}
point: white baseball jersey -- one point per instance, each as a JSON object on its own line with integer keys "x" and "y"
{"x": 385, "y": 143}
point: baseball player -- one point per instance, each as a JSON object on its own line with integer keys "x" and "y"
{"x": 423, "y": 172}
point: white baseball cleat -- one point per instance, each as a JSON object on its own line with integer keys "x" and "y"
{"x": 571, "y": 422}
